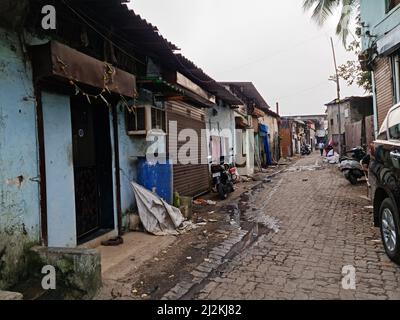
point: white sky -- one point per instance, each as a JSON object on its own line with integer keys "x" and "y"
{"x": 272, "y": 43}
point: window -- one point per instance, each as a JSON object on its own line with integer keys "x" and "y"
{"x": 394, "y": 124}
{"x": 158, "y": 119}
{"x": 391, "y": 4}
{"x": 331, "y": 122}
{"x": 145, "y": 118}
{"x": 136, "y": 119}
{"x": 395, "y": 59}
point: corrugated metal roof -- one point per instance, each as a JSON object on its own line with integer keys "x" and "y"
{"x": 198, "y": 76}
{"x": 146, "y": 39}
{"x": 249, "y": 90}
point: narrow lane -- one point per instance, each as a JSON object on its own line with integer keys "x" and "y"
{"x": 324, "y": 225}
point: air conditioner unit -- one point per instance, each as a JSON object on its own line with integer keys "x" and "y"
{"x": 144, "y": 119}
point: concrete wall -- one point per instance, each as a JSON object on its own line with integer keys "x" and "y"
{"x": 222, "y": 123}
{"x": 333, "y": 112}
{"x": 273, "y": 130}
{"x": 61, "y": 217}
{"x": 377, "y": 20}
{"x": 19, "y": 190}
{"x": 130, "y": 148}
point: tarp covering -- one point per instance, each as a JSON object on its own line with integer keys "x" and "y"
{"x": 156, "y": 215}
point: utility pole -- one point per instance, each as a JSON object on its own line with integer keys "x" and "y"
{"x": 338, "y": 97}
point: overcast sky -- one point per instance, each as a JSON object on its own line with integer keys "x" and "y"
{"x": 269, "y": 42}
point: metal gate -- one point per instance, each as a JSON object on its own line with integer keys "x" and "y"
{"x": 189, "y": 179}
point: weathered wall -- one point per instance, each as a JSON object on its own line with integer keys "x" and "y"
{"x": 19, "y": 193}
{"x": 130, "y": 147}
{"x": 61, "y": 218}
{"x": 273, "y": 130}
{"x": 378, "y": 21}
{"x": 285, "y": 135}
{"x": 224, "y": 120}
{"x": 333, "y": 114}
{"x": 384, "y": 88}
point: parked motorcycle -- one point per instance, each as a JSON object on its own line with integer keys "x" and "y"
{"x": 352, "y": 167}
{"x": 305, "y": 150}
{"x": 222, "y": 179}
{"x": 357, "y": 153}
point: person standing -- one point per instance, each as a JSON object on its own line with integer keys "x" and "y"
{"x": 321, "y": 148}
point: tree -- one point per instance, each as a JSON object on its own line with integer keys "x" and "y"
{"x": 351, "y": 71}
{"x": 322, "y": 10}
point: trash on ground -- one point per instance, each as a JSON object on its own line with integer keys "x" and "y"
{"x": 188, "y": 258}
{"x": 200, "y": 202}
{"x": 212, "y": 220}
{"x": 156, "y": 215}
{"x": 113, "y": 242}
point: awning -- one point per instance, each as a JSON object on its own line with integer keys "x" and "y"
{"x": 258, "y": 113}
{"x": 157, "y": 84}
{"x": 56, "y": 60}
{"x": 390, "y": 42}
{"x": 241, "y": 123}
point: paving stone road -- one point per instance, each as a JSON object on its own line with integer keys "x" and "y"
{"x": 324, "y": 226}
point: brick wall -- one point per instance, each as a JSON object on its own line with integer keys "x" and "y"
{"x": 384, "y": 91}
{"x": 286, "y": 141}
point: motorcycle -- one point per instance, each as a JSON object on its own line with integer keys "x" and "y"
{"x": 357, "y": 153}
{"x": 352, "y": 167}
{"x": 222, "y": 181}
{"x": 305, "y": 150}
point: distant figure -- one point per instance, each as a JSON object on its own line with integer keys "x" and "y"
{"x": 321, "y": 148}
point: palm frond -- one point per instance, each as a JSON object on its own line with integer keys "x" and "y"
{"x": 321, "y": 9}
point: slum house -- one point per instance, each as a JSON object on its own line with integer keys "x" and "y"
{"x": 316, "y": 128}
{"x": 269, "y": 130}
{"x": 83, "y": 107}
{"x": 250, "y": 149}
{"x": 380, "y": 21}
{"x": 194, "y": 179}
{"x": 292, "y": 133}
{"x": 350, "y": 122}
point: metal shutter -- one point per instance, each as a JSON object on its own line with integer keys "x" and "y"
{"x": 189, "y": 180}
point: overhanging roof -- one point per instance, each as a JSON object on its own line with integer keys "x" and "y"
{"x": 249, "y": 90}
{"x": 198, "y": 76}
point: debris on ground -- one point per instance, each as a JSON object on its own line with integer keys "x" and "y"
{"x": 113, "y": 242}
{"x": 156, "y": 215}
{"x": 200, "y": 202}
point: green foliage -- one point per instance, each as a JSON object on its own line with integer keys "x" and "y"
{"x": 322, "y": 10}
{"x": 351, "y": 71}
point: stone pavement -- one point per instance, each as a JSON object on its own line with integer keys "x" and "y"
{"x": 324, "y": 225}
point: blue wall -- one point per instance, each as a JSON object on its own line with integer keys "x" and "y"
{"x": 378, "y": 22}
{"x": 61, "y": 218}
{"x": 19, "y": 193}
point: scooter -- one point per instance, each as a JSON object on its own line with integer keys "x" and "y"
{"x": 222, "y": 179}
{"x": 357, "y": 153}
{"x": 305, "y": 150}
{"x": 352, "y": 168}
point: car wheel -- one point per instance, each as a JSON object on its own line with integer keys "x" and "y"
{"x": 389, "y": 221}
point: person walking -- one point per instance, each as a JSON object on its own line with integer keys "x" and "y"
{"x": 321, "y": 148}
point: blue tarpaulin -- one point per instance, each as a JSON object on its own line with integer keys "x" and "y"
{"x": 264, "y": 134}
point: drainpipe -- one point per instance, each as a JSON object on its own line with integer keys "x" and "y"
{"x": 375, "y": 105}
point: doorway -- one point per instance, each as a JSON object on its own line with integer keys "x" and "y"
{"x": 92, "y": 157}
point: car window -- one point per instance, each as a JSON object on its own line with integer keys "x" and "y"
{"x": 394, "y": 124}
{"x": 383, "y": 131}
